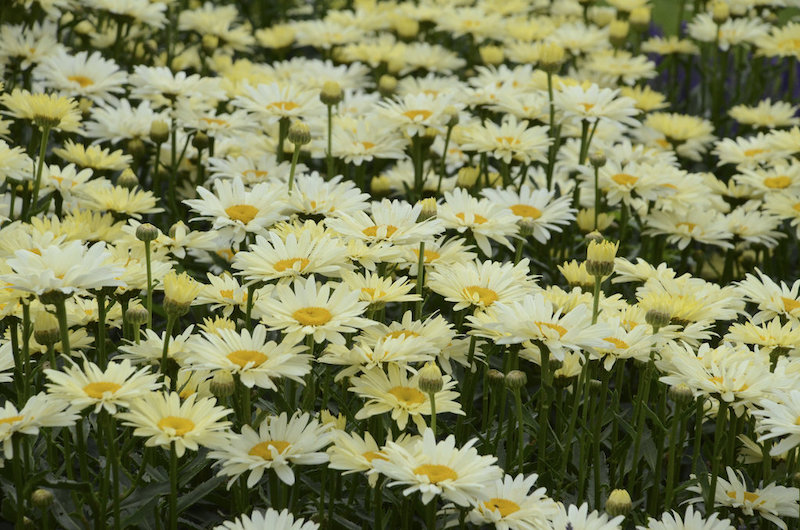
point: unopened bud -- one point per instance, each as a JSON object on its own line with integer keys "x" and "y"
{"x": 491, "y": 55}
{"x": 42, "y": 498}
{"x": 387, "y": 84}
{"x": 159, "y": 131}
{"x": 136, "y": 315}
{"x": 429, "y": 209}
{"x": 516, "y": 379}
{"x": 551, "y": 57}
{"x": 407, "y": 28}
{"x": 640, "y": 18}
{"x": 597, "y": 159}
{"x": 331, "y": 93}
{"x": 430, "y": 378}
{"x": 619, "y": 503}
{"x": 173, "y": 230}
{"x": 46, "y": 330}
{"x": 656, "y": 318}
{"x": 146, "y": 232}
{"x": 210, "y": 43}
{"x": 127, "y": 179}
{"x": 380, "y": 185}
{"x": 681, "y": 393}
{"x": 720, "y": 12}
{"x": 496, "y": 377}
{"x": 467, "y": 176}
{"x": 299, "y": 133}
{"x": 618, "y": 32}
{"x": 200, "y": 141}
{"x": 600, "y": 257}
{"x": 222, "y": 384}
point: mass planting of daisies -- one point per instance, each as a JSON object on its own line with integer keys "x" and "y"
{"x": 393, "y": 264}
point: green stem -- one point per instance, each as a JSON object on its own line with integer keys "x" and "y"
{"x": 432, "y": 398}
{"x": 295, "y": 157}
{"x": 329, "y": 151}
{"x": 19, "y": 479}
{"x": 61, "y": 314}
{"x": 283, "y": 130}
{"x": 420, "y": 278}
{"x": 521, "y": 429}
{"x": 165, "y": 350}
{"x": 149, "y": 267}
{"x": 37, "y": 182}
{"x": 101, "y": 330}
{"x": 672, "y": 452}
{"x": 716, "y": 456}
{"x": 544, "y": 407}
{"x": 173, "y": 487}
{"x": 639, "y": 417}
{"x": 596, "y": 300}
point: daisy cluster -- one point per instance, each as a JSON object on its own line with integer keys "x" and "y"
{"x": 518, "y": 264}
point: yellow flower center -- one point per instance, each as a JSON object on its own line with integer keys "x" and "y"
{"x": 226, "y": 293}
{"x": 372, "y": 455}
{"x": 96, "y": 390}
{"x": 525, "y": 210}
{"x": 749, "y": 496}
{"x": 284, "y": 106}
{"x": 560, "y": 329}
{"x": 504, "y": 506}
{"x": 777, "y": 183}
{"x": 621, "y": 344}
{"x": 242, "y": 357}
{"x": 180, "y": 425}
{"x": 716, "y": 380}
{"x": 312, "y": 316}
{"x": 371, "y": 292}
{"x": 508, "y": 140}
{"x": 485, "y": 296}
{"x": 624, "y": 179}
{"x": 421, "y": 114}
{"x": 753, "y": 152}
{"x": 401, "y": 333}
{"x": 431, "y": 255}
{"x": 242, "y": 212}
{"x": 255, "y": 172}
{"x": 263, "y": 449}
{"x": 436, "y": 473}
{"x": 789, "y": 45}
{"x": 796, "y": 207}
{"x": 285, "y": 264}
{"x": 790, "y": 304}
{"x": 408, "y": 395}
{"x": 372, "y": 231}
{"x": 214, "y": 121}
{"x": 587, "y": 106}
{"x": 82, "y": 80}
{"x": 367, "y": 145}
{"x": 478, "y": 219}
{"x": 689, "y": 226}
{"x": 10, "y": 419}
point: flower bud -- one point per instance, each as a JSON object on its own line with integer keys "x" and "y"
{"x": 430, "y": 378}
{"x": 179, "y": 293}
{"x": 159, "y": 131}
{"x": 657, "y": 318}
{"x": 210, "y": 43}
{"x": 46, "y": 330}
{"x": 516, "y": 379}
{"x": 127, "y": 179}
{"x": 496, "y": 377}
{"x": 136, "y": 315}
{"x": 491, "y": 55}
{"x": 551, "y": 57}
{"x": 681, "y": 393}
{"x": 429, "y": 209}
{"x": 467, "y": 176}
{"x": 42, "y": 498}
{"x": 331, "y": 93}
{"x": 137, "y": 148}
{"x": 222, "y": 384}
{"x": 619, "y": 503}
{"x": 380, "y": 185}
{"x": 387, "y": 84}
{"x": 200, "y": 141}
{"x": 327, "y": 418}
{"x": 720, "y": 12}
{"x": 146, "y": 232}
{"x": 640, "y": 18}
{"x": 299, "y": 133}
{"x": 407, "y": 28}
{"x": 597, "y": 159}
{"x": 600, "y": 257}
{"x": 618, "y": 32}
{"x": 585, "y": 220}
{"x": 84, "y": 27}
